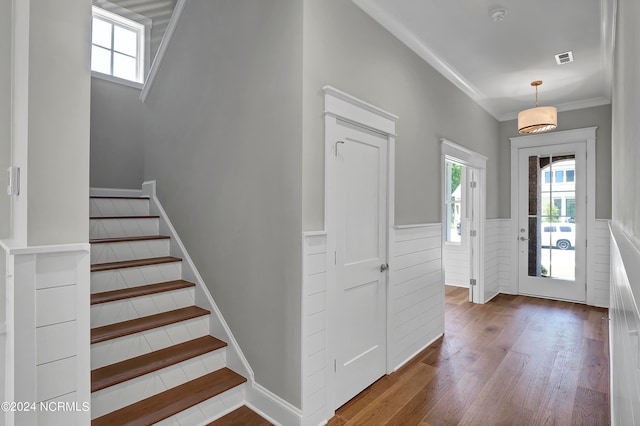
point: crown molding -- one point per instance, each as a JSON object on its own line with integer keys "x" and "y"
{"x": 413, "y": 43}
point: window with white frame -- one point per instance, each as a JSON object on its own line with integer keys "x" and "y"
{"x": 117, "y": 46}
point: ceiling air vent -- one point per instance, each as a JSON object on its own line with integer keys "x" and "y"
{"x": 564, "y": 58}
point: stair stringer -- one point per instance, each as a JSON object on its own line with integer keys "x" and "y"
{"x": 261, "y": 400}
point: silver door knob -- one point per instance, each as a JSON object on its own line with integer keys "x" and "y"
{"x": 524, "y": 239}
{"x": 384, "y": 267}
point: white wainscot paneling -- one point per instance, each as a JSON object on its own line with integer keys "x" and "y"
{"x": 457, "y": 261}
{"x": 314, "y": 324}
{"x": 416, "y": 291}
{"x": 497, "y": 256}
{"x": 623, "y": 330}
{"x": 48, "y": 325}
{"x": 598, "y": 267}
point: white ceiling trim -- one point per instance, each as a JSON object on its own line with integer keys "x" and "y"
{"x": 411, "y": 41}
{"x": 569, "y": 106}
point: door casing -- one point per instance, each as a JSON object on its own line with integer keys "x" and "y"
{"x": 478, "y": 163}
{"x": 585, "y": 135}
{"x": 344, "y": 107}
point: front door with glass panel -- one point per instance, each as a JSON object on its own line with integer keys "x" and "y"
{"x": 551, "y": 222}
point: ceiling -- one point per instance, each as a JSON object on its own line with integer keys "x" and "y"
{"x": 495, "y": 62}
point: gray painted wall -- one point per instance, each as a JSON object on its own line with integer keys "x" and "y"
{"x": 626, "y": 125}
{"x": 345, "y": 48}
{"x": 588, "y": 117}
{"x": 117, "y": 135}
{"x": 5, "y": 115}
{"x": 58, "y": 122}
{"x": 222, "y": 139}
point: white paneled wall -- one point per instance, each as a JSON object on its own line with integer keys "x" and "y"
{"x": 598, "y": 268}
{"x": 623, "y": 330}
{"x": 416, "y": 291}
{"x": 48, "y": 337}
{"x": 497, "y": 257}
{"x": 314, "y": 338}
{"x": 457, "y": 260}
{"x": 415, "y": 307}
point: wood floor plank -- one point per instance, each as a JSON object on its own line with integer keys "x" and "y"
{"x": 395, "y": 397}
{"x": 516, "y": 360}
{"x": 243, "y": 416}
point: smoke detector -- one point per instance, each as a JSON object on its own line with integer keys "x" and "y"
{"x": 498, "y": 15}
{"x": 564, "y": 58}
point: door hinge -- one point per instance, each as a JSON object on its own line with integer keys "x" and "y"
{"x": 472, "y": 282}
{"x": 473, "y": 184}
{"x": 473, "y": 233}
{"x": 336, "y": 148}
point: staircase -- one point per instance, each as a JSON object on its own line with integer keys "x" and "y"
{"x": 153, "y": 359}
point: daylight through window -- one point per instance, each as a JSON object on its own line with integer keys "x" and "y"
{"x": 117, "y": 45}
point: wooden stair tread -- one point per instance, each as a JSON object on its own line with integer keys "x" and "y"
{"x": 172, "y": 401}
{"x": 125, "y": 328}
{"x": 243, "y": 416}
{"x": 124, "y": 217}
{"x": 98, "y": 267}
{"x": 135, "y": 367}
{"x": 116, "y": 197}
{"x": 129, "y": 239}
{"x": 143, "y": 290}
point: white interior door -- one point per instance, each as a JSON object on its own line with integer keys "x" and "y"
{"x": 552, "y": 221}
{"x": 361, "y": 257}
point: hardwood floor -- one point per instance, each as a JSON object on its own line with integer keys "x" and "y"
{"x": 516, "y": 360}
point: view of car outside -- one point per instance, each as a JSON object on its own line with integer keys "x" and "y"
{"x": 557, "y": 226}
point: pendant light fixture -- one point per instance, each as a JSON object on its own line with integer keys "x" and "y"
{"x": 538, "y": 119}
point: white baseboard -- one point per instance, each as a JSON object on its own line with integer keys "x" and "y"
{"x": 417, "y": 352}
{"x": 271, "y": 406}
{"x": 491, "y": 298}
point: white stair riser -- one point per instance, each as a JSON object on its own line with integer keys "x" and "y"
{"x": 137, "y": 307}
{"x": 129, "y": 250}
{"x": 209, "y": 410}
{"x": 116, "y": 350}
{"x": 117, "y": 228}
{"x": 117, "y": 279}
{"x": 134, "y": 390}
{"x": 118, "y": 207}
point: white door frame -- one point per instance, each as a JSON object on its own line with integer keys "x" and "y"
{"x": 466, "y": 157}
{"x": 344, "y": 107}
{"x": 585, "y": 135}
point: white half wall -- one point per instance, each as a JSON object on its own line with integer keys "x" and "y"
{"x": 497, "y": 257}
{"x": 457, "y": 260}
{"x": 314, "y": 329}
{"x": 623, "y": 330}
{"x": 47, "y": 338}
{"x": 416, "y": 291}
